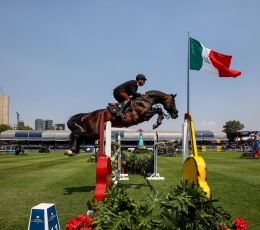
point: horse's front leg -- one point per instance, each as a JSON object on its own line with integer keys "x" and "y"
{"x": 159, "y": 120}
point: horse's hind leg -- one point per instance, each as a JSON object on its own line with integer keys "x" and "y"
{"x": 75, "y": 143}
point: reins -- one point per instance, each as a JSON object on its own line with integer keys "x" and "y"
{"x": 148, "y": 99}
{"x": 156, "y": 106}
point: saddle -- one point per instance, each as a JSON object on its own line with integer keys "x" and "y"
{"x": 113, "y": 107}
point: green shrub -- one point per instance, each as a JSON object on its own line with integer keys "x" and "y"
{"x": 142, "y": 151}
{"x": 185, "y": 207}
{"x": 249, "y": 156}
{"x": 136, "y": 164}
{"x": 133, "y": 164}
{"x": 119, "y": 211}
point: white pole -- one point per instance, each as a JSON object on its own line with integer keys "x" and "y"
{"x": 185, "y": 141}
{"x": 123, "y": 176}
{"x": 155, "y": 152}
{"x": 119, "y": 152}
{"x": 108, "y": 139}
{"x": 155, "y": 175}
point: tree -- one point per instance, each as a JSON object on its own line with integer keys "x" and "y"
{"x": 232, "y": 126}
{"x": 4, "y": 127}
{"x": 27, "y": 127}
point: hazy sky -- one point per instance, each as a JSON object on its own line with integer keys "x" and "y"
{"x": 59, "y": 58}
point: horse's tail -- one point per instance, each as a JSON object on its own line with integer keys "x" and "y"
{"x": 74, "y": 123}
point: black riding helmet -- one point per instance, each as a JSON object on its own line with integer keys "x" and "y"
{"x": 141, "y": 76}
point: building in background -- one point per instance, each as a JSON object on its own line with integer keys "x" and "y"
{"x": 39, "y": 124}
{"x": 49, "y": 124}
{"x": 59, "y": 127}
{"x": 4, "y": 109}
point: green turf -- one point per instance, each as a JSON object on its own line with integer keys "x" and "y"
{"x": 69, "y": 183}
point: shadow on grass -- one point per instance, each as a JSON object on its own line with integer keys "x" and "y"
{"x": 150, "y": 186}
{"x": 71, "y": 190}
{"x": 139, "y": 186}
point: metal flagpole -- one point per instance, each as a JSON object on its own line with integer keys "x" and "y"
{"x": 185, "y": 132}
{"x": 188, "y": 76}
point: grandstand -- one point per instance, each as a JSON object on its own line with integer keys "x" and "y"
{"x": 59, "y": 139}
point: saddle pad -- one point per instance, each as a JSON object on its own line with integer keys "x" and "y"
{"x": 112, "y": 103}
{"x": 113, "y": 109}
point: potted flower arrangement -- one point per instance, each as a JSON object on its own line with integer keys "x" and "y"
{"x": 185, "y": 206}
{"x": 81, "y": 222}
{"x": 238, "y": 224}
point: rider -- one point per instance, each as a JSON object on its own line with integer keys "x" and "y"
{"x": 123, "y": 92}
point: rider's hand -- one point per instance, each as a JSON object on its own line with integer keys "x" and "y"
{"x": 143, "y": 93}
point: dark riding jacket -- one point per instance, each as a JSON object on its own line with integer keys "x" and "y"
{"x": 129, "y": 87}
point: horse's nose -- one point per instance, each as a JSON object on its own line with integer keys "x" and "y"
{"x": 175, "y": 111}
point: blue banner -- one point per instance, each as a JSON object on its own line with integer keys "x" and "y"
{"x": 37, "y": 219}
{"x": 53, "y": 222}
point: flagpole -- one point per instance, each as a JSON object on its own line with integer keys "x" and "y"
{"x": 188, "y": 76}
{"x": 185, "y": 132}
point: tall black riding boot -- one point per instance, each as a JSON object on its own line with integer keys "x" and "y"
{"x": 124, "y": 105}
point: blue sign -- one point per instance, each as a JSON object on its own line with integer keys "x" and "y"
{"x": 44, "y": 217}
{"x": 89, "y": 149}
{"x": 53, "y": 222}
{"x": 114, "y": 133}
{"x": 37, "y": 219}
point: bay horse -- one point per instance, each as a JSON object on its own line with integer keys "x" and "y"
{"x": 85, "y": 126}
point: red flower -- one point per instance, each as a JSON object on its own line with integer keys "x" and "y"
{"x": 82, "y": 222}
{"x": 223, "y": 228}
{"x": 73, "y": 224}
{"x": 240, "y": 224}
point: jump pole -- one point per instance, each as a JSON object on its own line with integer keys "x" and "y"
{"x": 108, "y": 139}
{"x": 155, "y": 175}
{"x": 103, "y": 168}
{"x": 185, "y": 141}
{"x": 108, "y": 134}
{"x": 123, "y": 176}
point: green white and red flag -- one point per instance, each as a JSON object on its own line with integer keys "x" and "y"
{"x": 207, "y": 60}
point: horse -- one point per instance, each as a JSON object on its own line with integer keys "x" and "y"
{"x": 85, "y": 126}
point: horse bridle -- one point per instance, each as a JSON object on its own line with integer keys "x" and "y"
{"x": 171, "y": 104}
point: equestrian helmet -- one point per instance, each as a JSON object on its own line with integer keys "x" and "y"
{"x": 141, "y": 76}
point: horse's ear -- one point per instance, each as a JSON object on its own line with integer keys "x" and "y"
{"x": 174, "y": 95}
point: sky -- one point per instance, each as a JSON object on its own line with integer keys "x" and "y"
{"x": 59, "y": 58}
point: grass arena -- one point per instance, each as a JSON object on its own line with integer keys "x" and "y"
{"x": 69, "y": 183}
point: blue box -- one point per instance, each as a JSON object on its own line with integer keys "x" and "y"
{"x": 44, "y": 217}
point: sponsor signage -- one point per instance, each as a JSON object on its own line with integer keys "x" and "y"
{"x": 44, "y": 217}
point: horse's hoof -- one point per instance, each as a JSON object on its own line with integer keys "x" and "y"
{"x": 72, "y": 154}
{"x": 155, "y": 126}
{"x": 68, "y": 152}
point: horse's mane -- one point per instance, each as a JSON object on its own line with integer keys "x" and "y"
{"x": 152, "y": 93}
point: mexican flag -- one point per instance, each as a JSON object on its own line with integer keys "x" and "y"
{"x": 207, "y": 60}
